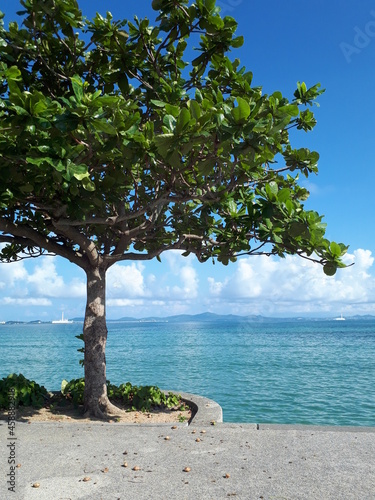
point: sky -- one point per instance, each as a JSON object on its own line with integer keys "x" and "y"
{"x": 328, "y": 42}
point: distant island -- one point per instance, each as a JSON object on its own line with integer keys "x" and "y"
{"x": 202, "y": 318}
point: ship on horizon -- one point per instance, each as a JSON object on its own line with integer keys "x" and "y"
{"x": 341, "y": 318}
{"x": 62, "y": 321}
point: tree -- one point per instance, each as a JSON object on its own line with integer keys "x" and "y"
{"x": 113, "y": 147}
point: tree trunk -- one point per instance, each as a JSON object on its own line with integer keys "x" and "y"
{"x": 96, "y": 402}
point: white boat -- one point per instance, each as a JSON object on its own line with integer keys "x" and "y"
{"x": 62, "y": 321}
{"x": 341, "y": 318}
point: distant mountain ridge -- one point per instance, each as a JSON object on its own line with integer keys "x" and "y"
{"x": 230, "y": 318}
{"x": 203, "y": 318}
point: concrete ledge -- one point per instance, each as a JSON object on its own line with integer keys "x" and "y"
{"x": 206, "y": 410}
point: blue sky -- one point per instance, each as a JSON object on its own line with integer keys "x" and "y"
{"x": 328, "y": 42}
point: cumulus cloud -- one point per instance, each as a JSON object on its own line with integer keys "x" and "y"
{"x": 30, "y": 301}
{"x": 294, "y": 285}
{"x": 45, "y": 281}
{"x": 181, "y": 281}
{"x": 189, "y": 283}
{"x": 36, "y": 284}
{"x": 124, "y": 302}
{"x": 172, "y": 287}
{"x": 126, "y": 281}
{"x": 12, "y": 274}
{"x": 254, "y": 285}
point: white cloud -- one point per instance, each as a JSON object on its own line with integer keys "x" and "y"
{"x": 126, "y": 281}
{"x": 216, "y": 287}
{"x": 25, "y": 301}
{"x": 11, "y": 273}
{"x": 254, "y": 285}
{"x": 35, "y": 283}
{"x": 181, "y": 270}
{"x": 124, "y": 302}
{"x": 179, "y": 282}
{"x": 267, "y": 285}
{"x": 45, "y": 281}
{"x": 188, "y": 288}
{"x": 77, "y": 288}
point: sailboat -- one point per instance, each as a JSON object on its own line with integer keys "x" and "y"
{"x": 341, "y": 318}
{"x": 62, "y": 321}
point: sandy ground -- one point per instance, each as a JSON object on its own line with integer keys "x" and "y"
{"x": 64, "y": 411}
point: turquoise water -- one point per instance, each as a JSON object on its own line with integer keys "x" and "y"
{"x": 307, "y": 372}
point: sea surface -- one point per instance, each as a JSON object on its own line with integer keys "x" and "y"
{"x": 297, "y": 372}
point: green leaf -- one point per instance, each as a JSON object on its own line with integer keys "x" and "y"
{"x": 183, "y": 120}
{"x": 88, "y": 185}
{"x": 170, "y": 122}
{"x": 284, "y": 195}
{"x": 274, "y": 188}
{"x": 157, "y": 103}
{"x": 209, "y": 4}
{"x": 123, "y": 83}
{"x": 206, "y": 167}
{"x": 172, "y": 110}
{"x": 195, "y": 109}
{"x": 63, "y": 385}
{"x": 21, "y": 111}
{"x": 80, "y": 173}
{"x": 290, "y": 109}
{"x": 77, "y": 87}
{"x": 335, "y": 249}
{"x": 242, "y": 111}
{"x": 237, "y": 42}
{"x": 299, "y": 229}
{"x": 164, "y": 143}
{"x": 104, "y": 126}
{"x": 13, "y": 73}
{"x": 157, "y": 4}
{"x": 232, "y": 205}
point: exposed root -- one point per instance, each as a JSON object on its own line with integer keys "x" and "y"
{"x": 112, "y": 409}
{"x": 106, "y": 411}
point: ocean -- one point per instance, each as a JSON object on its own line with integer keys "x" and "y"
{"x": 292, "y": 372}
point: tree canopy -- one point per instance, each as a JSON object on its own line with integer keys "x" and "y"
{"x": 119, "y": 142}
{"x": 113, "y": 146}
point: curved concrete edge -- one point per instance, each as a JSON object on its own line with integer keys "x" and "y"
{"x": 207, "y": 411}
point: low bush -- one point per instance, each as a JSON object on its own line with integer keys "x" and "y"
{"x": 18, "y": 390}
{"x": 73, "y": 390}
{"x": 145, "y": 397}
{"x": 137, "y": 398}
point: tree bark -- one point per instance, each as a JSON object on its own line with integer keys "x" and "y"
{"x": 96, "y": 402}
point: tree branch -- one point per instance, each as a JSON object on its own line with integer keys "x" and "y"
{"x": 87, "y": 246}
{"x": 27, "y": 236}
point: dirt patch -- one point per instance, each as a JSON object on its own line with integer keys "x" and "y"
{"x": 58, "y": 409}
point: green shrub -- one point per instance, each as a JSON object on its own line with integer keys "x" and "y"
{"x": 74, "y": 390}
{"x": 137, "y": 398}
{"x": 18, "y": 390}
{"x": 145, "y": 397}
